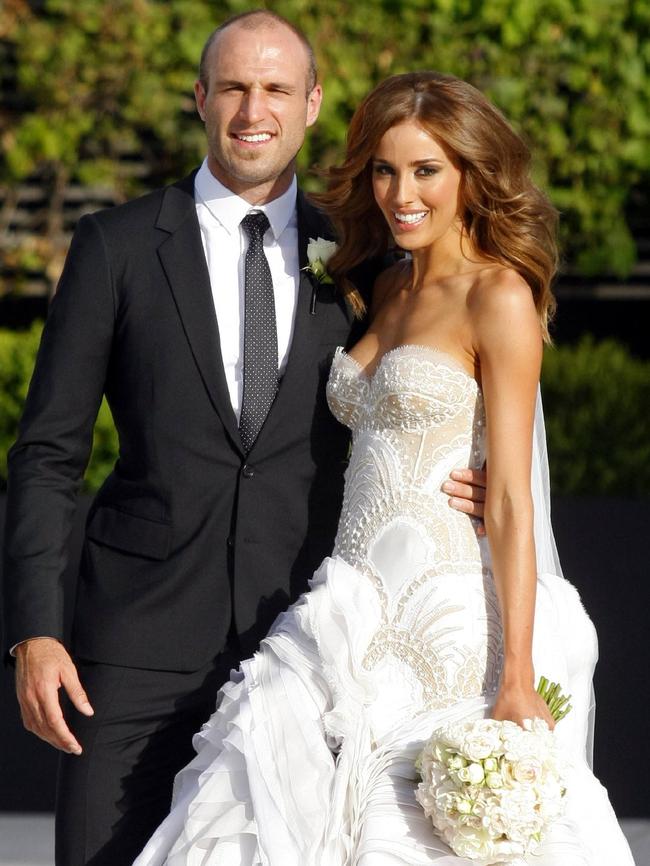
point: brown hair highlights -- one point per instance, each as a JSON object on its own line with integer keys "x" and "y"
{"x": 505, "y": 217}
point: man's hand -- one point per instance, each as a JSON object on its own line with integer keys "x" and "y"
{"x": 467, "y": 491}
{"x": 42, "y": 667}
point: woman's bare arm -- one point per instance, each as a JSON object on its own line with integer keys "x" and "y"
{"x": 509, "y": 345}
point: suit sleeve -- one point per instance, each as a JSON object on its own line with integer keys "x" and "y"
{"x": 47, "y": 462}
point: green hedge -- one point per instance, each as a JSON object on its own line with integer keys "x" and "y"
{"x": 597, "y": 406}
{"x": 596, "y": 398}
{"x": 17, "y": 355}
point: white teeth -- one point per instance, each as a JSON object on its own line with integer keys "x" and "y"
{"x": 260, "y": 136}
{"x": 410, "y": 217}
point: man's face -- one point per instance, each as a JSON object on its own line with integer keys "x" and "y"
{"x": 256, "y": 109}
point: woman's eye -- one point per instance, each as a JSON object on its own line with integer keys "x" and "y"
{"x": 383, "y": 169}
{"x": 427, "y": 171}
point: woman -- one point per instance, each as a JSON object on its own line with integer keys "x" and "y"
{"x": 414, "y": 620}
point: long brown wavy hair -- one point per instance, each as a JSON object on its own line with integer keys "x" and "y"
{"x": 505, "y": 217}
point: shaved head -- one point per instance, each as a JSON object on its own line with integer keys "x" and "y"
{"x": 257, "y": 20}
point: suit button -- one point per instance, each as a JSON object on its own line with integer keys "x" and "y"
{"x": 247, "y": 471}
{"x": 230, "y": 541}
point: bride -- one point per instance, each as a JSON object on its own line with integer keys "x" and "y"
{"x": 415, "y": 619}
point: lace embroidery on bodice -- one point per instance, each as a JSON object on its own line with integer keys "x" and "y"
{"x": 415, "y": 419}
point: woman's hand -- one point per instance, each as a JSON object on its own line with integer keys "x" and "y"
{"x": 517, "y": 703}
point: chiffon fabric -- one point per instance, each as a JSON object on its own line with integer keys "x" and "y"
{"x": 309, "y": 757}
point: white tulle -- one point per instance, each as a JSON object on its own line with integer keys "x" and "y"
{"x": 548, "y": 560}
{"x": 309, "y": 758}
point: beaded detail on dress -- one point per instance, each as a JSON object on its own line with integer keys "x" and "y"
{"x": 415, "y": 419}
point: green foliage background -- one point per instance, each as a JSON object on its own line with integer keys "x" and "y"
{"x": 99, "y": 85}
{"x": 17, "y": 357}
{"x": 597, "y": 406}
{"x": 101, "y": 78}
{"x": 594, "y": 397}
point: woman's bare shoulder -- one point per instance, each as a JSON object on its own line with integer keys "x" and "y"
{"x": 497, "y": 290}
{"x": 502, "y": 313}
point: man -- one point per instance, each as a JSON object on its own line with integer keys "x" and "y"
{"x": 190, "y": 311}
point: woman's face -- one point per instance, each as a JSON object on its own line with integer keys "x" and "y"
{"x": 416, "y": 186}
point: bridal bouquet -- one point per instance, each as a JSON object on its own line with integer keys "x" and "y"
{"x": 492, "y": 788}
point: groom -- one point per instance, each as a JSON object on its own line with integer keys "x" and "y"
{"x": 191, "y": 309}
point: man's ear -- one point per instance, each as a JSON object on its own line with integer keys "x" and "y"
{"x": 199, "y": 97}
{"x": 314, "y": 100}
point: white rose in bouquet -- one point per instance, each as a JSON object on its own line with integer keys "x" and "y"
{"x": 527, "y": 770}
{"x": 482, "y": 742}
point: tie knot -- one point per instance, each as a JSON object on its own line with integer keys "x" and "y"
{"x": 255, "y": 224}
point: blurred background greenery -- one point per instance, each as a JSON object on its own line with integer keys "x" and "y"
{"x": 102, "y": 91}
{"x": 97, "y": 107}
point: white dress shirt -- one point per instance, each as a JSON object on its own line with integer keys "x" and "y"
{"x": 220, "y": 213}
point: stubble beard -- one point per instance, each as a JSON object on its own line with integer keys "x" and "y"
{"x": 249, "y": 168}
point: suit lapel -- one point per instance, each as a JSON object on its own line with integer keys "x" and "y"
{"x": 183, "y": 260}
{"x": 308, "y": 325}
{"x": 311, "y": 224}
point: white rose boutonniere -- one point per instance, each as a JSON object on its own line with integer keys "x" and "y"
{"x": 319, "y": 252}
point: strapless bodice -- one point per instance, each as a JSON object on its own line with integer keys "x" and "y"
{"x": 417, "y": 417}
{"x": 413, "y": 389}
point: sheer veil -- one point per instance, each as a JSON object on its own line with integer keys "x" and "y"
{"x": 548, "y": 561}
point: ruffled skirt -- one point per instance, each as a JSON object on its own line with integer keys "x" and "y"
{"x": 304, "y": 763}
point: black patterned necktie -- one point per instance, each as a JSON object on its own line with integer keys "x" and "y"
{"x": 260, "y": 333}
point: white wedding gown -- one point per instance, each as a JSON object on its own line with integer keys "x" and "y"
{"x": 308, "y": 760}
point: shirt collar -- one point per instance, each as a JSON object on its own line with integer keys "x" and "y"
{"x": 230, "y": 209}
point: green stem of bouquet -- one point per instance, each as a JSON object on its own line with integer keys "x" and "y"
{"x": 558, "y": 703}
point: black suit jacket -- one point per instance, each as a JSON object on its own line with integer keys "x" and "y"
{"x": 186, "y": 526}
